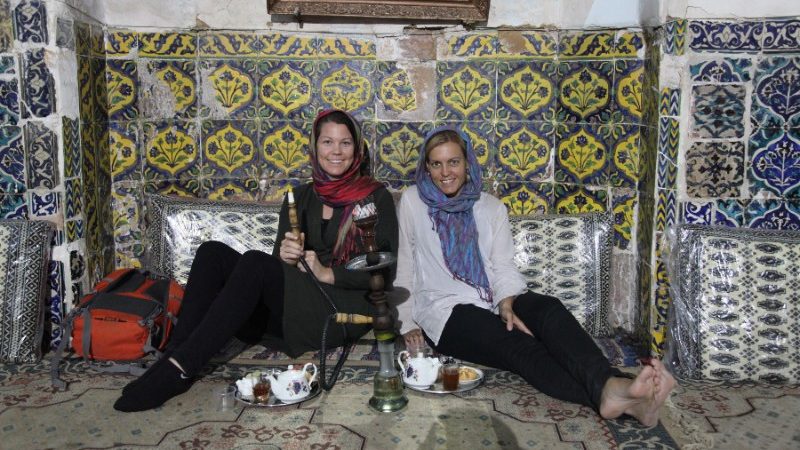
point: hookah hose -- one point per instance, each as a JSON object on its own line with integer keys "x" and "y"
{"x": 323, "y": 353}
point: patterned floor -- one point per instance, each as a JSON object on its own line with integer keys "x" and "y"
{"x": 504, "y": 413}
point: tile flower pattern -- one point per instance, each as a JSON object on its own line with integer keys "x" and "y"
{"x": 397, "y": 149}
{"x": 12, "y": 161}
{"x": 728, "y": 70}
{"x": 584, "y": 90}
{"x": 348, "y": 86}
{"x": 526, "y": 90}
{"x": 776, "y": 100}
{"x": 38, "y": 85}
{"x": 30, "y": 20}
{"x": 42, "y": 156}
{"x": 395, "y": 89}
{"x": 718, "y": 111}
{"x": 285, "y": 90}
{"x": 581, "y": 156}
{"x": 775, "y": 168}
{"x": 725, "y": 36}
{"x": 9, "y": 102}
{"x": 523, "y": 154}
{"x": 466, "y": 91}
{"x": 715, "y": 169}
{"x": 229, "y": 146}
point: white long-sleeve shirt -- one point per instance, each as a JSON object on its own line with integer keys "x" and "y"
{"x": 425, "y": 290}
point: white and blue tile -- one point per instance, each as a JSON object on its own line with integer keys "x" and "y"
{"x": 43, "y": 204}
{"x": 8, "y": 65}
{"x": 729, "y": 213}
{"x": 42, "y": 156}
{"x": 12, "y": 161}
{"x": 726, "y": 37}
{"x": 776, "y": 93}
{"x": 697, "y": 212}
{"x": 56, "y": 301}
{"x": 718, "y": 111}
{"x": 715, "y": 169}
{"x": 775, "y": 167}
{"x": 773, "y": 214}
{"x": 13, "y": 206}
{"x": 727, "y": 70}
{"x": 9, "y": 102}
{"x": 38, "y": 86}
{"x": 781, "y": 35}
{"x": 30, "y": 21}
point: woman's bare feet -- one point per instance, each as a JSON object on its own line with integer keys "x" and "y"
{"x": 641, "y": 398}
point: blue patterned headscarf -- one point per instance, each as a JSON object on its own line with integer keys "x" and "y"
{"x": 453, "y": 219}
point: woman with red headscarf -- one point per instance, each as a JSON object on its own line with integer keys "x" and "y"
{"x": 254, "y": 294}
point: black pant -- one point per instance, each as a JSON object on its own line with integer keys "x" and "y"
{"x": 561, "y": 360}
{"x": 226, "y": 292}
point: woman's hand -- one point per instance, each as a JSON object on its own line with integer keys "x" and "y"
{"x": 511, "y": 319}
{"x": 323, "y": 273}
{"x": 414, "y": 339}
{"x": 292, "y": 248}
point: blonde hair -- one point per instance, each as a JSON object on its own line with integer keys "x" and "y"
{"x": 443, "y": 137}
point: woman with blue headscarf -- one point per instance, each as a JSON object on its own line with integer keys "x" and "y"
{"x": 467, "y": 300}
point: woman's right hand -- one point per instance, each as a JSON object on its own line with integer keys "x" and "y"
{"x": 414, "y": 339}
{"x": 292, "y": 248}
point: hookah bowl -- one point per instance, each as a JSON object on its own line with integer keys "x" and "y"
{"x": 387, "y": 394}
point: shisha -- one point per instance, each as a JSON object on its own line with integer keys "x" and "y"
{"x": 388, "y": 393}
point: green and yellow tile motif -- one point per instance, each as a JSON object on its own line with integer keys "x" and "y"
{"x": 624, "y": 209}
{"x": 122, "y": 87}
{"x": 284, "y": 148}
{"x": 342, "y": 47}
{"x": 581, "y": 157}
{"x": 522, "y": 153}
{"x": 483, "y": 45}
{"x": 233, "y": 86}
{"x": 526, "y": 198}
{"x": 466, "y": 91}
{"x": 124, "y": 151}
{"x": 167, "y": 45}
{"x": 120, "y": 42}
{"x": 230, "y": 44}
{"x": 571, "y": 199}
{"x": 586, "y": 45}
{"x": 397, "y": 148}
{"x": 540, "y": 44}
{"x": 283, "y": 45}
{"x": 395, "y": 89}
{"x": 285, "y": 90}
{"x": 348, "y": 86}
{"x": 229, "y": 146}
{"x": 171, "y": 148}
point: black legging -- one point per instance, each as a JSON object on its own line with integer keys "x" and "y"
{"x": 561, "y": 361}
{"x": 224, "y": 290}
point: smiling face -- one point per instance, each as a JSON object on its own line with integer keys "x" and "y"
{"x": 335, "y": 149}
{"x": 448, "y": 167}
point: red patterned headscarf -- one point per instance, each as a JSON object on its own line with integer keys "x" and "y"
{"x": 345, "y": 191}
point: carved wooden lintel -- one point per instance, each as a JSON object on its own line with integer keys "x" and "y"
{"x": 433, "y": 10}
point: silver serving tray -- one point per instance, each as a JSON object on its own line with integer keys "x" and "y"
{"x": 275, "y": 402}
{"x": 359, "y": 263}
{"x": 437, "y": 387}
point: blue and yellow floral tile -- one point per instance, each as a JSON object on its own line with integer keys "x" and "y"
{"x": 394, "y": 88}
{"x": 230, "y": 44}
{"x": 284, "y": 148}
{"x": 122, "y": 89}
{"x": 582, "y": 156}
{"x": 715, "y": 169}
{"x": 167, "y": 45}
{"x": 573, "y": 199}
{"x": 188, "y": 187}
{"x": 726, "y": 70}
{"x": 628, "y": 86}
{"x": 627, "y": 44}
{"x": 625, "y": 151}
{"x": 397, "y": 149}
{"x": 773, "y": 214}
{"x": 345, "y": 47}
{"x": 699, "y": 212}
{"x": 666, "y": 210}
{"x": 473, "y": 45}
{"x": 124, "y": 151}
{"x": 718, "y": 111}
{"x": 466, "y": 91}
{"x": 729, "y": 213}
{"x": 230, "y": 88}
{"x": 347, "y": 85}
{"x": 229, "y": 146}
{"x": 776, "y": 97}
{"x": 121, "y": 43}
{"x": 781, "y": 36}
{"x": 86, "y": 98}
{"x": 740, "y": 36}
{"x": 526, "y": 90}
{"x": 288, "y": 46}
{"x": 285, "y": 90}
{"x": 12, "y": 155}
{"x": 585, "y": 90}
{"x": 579, "y": 44}
{"x": 526, "y": 197}
{"x": 99, "y": 88}
{"x": 483, "y": 137}
{"x": 624, "y": 205}
{"x": 170, "y": 147}
{"x": 97, "y": 41}
{"x": 228, "y": 189}
{"x": 774, "y": 167}
{"x": 169, "y": 89}
{"x": 538, "y": 44}
{"x": 523, "y": 152}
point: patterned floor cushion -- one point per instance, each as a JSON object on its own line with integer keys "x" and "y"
{"x": 568, "y": 257}
{"x": 736, "y": 312}
{"x": 177, "y": 226}
{"x": 24, "y": 259}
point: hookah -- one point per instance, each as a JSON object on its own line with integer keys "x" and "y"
{"x": 388, "y": 395}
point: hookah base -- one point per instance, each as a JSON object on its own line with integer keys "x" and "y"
{"x": 388, "y": 395}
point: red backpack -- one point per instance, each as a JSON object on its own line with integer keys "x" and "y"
{"x": 128, "y": 315}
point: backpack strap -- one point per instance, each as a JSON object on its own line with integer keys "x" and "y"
{"x": 55, "y": 361}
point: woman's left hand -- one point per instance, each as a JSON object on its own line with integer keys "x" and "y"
{"x": 511, "y": 319}
{"x": 323, "y": 273}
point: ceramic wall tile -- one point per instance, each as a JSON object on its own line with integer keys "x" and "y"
{"x": 666, "y": 210}
{"x": 283, "y": 45}
{"x": 715, "y": 169}
{"x": 573, "y": 199}
{"x": 8, "y": 65}
{"x": 465, "y": 91}
{"x": 167, "y": 45}
{"x": 526, "y": 198}
{"x": 65, "y": 35}
{"x": 41, "y": 154}
{"x": 122, "y": 87}
{"x": 168, "y": 89}
{"x": 397, "y": 149}
{"x": 9, "y": 102}
{"x": 627, "y": 44}
{"x": 485, "y": 138}
{"x": 474, "y": 45}
{"x": 120, "y": 43}
{"x": 697, "y": 212}
{"x": 526, "y": 90}
{"x": 126, "y": 203}
{"x": 729, "y": 213}
{"x": 72, "y": 144}
{"x": 229, "y": 147}
{"x": 776, "y": 97}
{"x": 775, "y": 166}
{"x": 30, "y": 21}
{"x": 55, "y": 315}
{"x": 74, "y": 230}
{"x": 13, "y": 206}
{"x": 285, "y": 90}
{"x": 628, "y": 85}
{"x": 347, "y": 85}
{"x": 170, "y": 148}
{"x": 73, "y": 198}
{"x": 584, "y": 90}
{"x": 666, "y": 172}
{"x": 221, "y": 44}
{"x": 38, "y": 86}
{"x": 43, "y": 204}
{"x": 781, "y": 35}
{"x": 344, "y": 47}
{"x": 727, "y": 70}
{"x": 675, "y": 37}
{"x": 394, "y": 88}
{"x": 669, "y": 102}
{"x": 284, "y": 148}
{"x": 718, "y": 111}
{"x": 624, "y": 206}
{"x": 233, "y": 91}
{"x": 6, "y": 27}
{"x": 773, "y": 214}
{"x": 82, "y": 36}
{"x": 580, "y": 44}
{"x": 624, "y": 157}
{"x": 743, "y": 36}
{"x": 538, "y": 44}
{"x": 581, "y": 156}
{"x": 77, "y": 265}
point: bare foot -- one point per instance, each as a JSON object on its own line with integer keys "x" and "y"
{"x": 641, "y": 398}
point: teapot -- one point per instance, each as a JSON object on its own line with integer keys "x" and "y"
{"x": 419, "y": 371}
{"x": 293, "y": 384}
